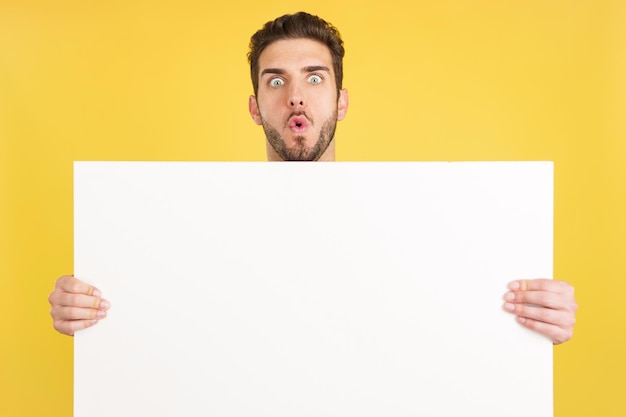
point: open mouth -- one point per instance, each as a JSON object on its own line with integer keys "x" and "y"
{"x": 298, "y": 123}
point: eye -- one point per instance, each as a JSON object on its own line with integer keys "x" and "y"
{"x": 276, "y": 82}
{"x": 315, "y": 79}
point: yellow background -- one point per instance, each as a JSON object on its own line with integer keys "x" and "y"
{"x": 428, "y": 80}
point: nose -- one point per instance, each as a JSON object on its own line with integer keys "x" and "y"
{"x": 296, "y": 101}
{"x": 296, "y": 97}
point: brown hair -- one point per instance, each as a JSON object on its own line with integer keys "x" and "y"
{"x": 296, "y": 26}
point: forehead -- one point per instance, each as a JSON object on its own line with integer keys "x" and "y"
{"x": 294, "y": 54}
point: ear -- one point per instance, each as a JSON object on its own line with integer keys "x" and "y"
{"x": 253, "y": 108}
{"x": 342, "y": 104}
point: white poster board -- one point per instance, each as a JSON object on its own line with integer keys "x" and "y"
{"x": 311, "y": 289}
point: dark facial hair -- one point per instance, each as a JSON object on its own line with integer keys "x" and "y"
{"x": 301, "y": 152}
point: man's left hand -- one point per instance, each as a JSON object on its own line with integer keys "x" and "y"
{"x": 544, "y": 305}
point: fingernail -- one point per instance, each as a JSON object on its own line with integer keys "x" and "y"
{"x": 521, "y": 319}
{"x": 97, "y": 293}
{"x": 514, "y": 285}
{"x": 509, "y": 306}
{"x": 101, "y": 314}
{"x": 104, "y": 305}
{"x": 509, "y": 296}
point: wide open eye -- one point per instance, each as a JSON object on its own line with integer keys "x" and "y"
{"x": 315, "y": 79}
{"x": 276, "y": 82}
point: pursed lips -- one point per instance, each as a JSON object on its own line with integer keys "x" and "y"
{"x": 298, "y": 123}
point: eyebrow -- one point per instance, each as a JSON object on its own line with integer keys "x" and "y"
{"x": 311, "y": 68}
{"x": 314, "y": 68}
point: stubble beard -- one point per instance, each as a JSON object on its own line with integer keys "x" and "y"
{"x": 301, "y": 152}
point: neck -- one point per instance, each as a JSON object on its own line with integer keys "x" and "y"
{"x": 327, "y": 156}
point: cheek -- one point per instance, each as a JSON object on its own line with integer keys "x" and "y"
{"x": 324, "y": 106}
{"x": 270, "y": 103}
{"x": 271, "y": 112}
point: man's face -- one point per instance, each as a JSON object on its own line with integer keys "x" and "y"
{"x": 297, "y": 102}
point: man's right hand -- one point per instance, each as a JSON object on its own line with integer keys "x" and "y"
{"x": 75, "y": 305}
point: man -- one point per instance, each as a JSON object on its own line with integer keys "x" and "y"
{"x": 296, "y": 65}
{"x": 296, "y": 69}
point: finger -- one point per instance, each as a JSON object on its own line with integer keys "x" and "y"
{"x": 61, "y": 298}
{"x": 541, "y": 298}
{"x": 69, "y": 283}
{"x": 72, "y": 326}
{"x": 559, "y": 318}
{"x": 60, "y": 313}
{"x": 541, "y": 284}
{"x": 555, "y": 333}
